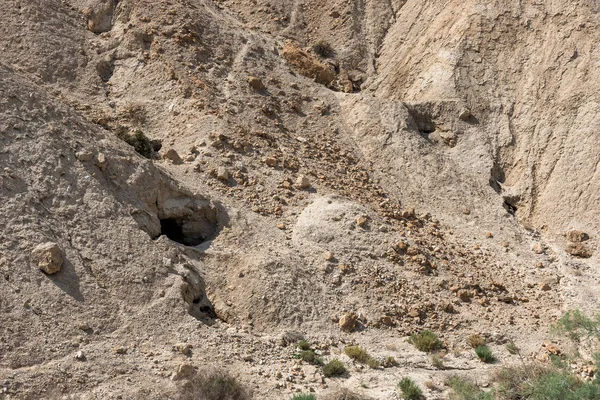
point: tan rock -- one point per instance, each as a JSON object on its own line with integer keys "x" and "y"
{"x": 183, "y": 348}
{"x": 48, "y": 257}
{"x": 172, "y": 156}
{"x": 328, "y": 256}
{"x": 185, "y": 371}
{"x": 84, "y": 155}
{"x": 361, "y": 221}
{"x": 576, "y": 236}
{"x": 302, "y": 182}
{"x": 271, "y": 161}
{"x": 465, "y": 295}
{"x": 101, "y": 161}
{"x": 307, "y": 64}
{"x": 349, "y": 322}
{"x": 222, "y": 174}
{"x": 256, "y": 83}
{"x": 579, "y": 250}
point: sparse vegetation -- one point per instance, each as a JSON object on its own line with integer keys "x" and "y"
{"x": 426, "y": 341}
{"x": 310, "y": 357}
{"x": 437, "y": 360}
{"x": 463, "y": 389}
{"x": 475, "y": 340}
{"x": 373, "y": 363}
{"x": 410, "y": 390}
{"x": 357, "y": 353}
{"x": 139, "y": 141}
{"x": 543, "y": 382}
{"x": 135, "y": 113}
{"x": 345, "y": 394}
{"x": 512, "y": 348}
{"x": 360, "y": 355}
{"x": 303, "y": 345}
{"x": 334, "y": 368}
{"x": 213, "y": 385}
{"x": 485, "y": 354}
{"x": 302, "y": 396}
{"x": 390, "y": 361}
{"x": 323, "y": 49}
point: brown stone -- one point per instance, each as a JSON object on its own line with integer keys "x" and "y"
{"x": 579, "y": 250}
{"x": 256, "y": 83}
{"x": 47, "y": 257}
{"x": 576, "y": 236}
{"x": 349, "y": 322}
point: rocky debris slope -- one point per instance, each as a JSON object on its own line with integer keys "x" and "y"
{"x": 285, "y": 151}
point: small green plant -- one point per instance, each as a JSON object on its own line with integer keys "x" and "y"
{"x": 577, "y": 325}
{"x": 357, "y": 353}
{"x": 303, "y": 345}
{"x": 310, "y": 357}
{"x": 139, "y": 141}
{"x": 485, "y": 354}
{"x": 475, "y": 340}
{"x": 512, "y": 348}
{"x": 302, "y": 396}
{"x": 334, "y": 368}
{"x": 323, "y": 49}
{"x": 426, "y": 341}
{"x": 373, "y": 363}
{"x": 410, "y": 390}
{"x": 463, "y": 389}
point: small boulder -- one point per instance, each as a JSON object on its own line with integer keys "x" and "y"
{"x": 172, "y": 156}
{"x": 47, "y": 257}
{"x": 256, "y": 83}
{"x": 222, "y": 174}
{"x": 84, "y": 155}
{"x": 361, "y": 221}
{"x": 349, "y": 322}
{"x": 101, "y": 161}
{"x": 185, "y": 371}
{"x": 579, "y": 250}
{"x": 465, "y": 114}
{"x": 302, "y": 182}
{"x": 577, "y": 236}
{"x": 79, "y": 356}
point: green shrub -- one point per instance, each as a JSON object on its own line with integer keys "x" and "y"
{"x": 139, "y": 141}
{"x": 512, "y": 348}
{"x": 357, "y": 353}
{"x": 310, "y": 357}
{"x": 575, "y": 325}
{"x": 334, "y": 368}
{"x": 426, "y": 341}
{"x": 410, "y": 390}
{"x": 214, "y": 385}
{"x": 304, "y": 397}
{"x": 485, "y": 354}
{"x": 540, "y": 383}
{"x": 303, "y": 345}
{"x": 373, "y": 363}
{"x": 463, "y": 389}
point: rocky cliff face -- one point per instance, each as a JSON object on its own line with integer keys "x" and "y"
{"x": 191, "y": 184}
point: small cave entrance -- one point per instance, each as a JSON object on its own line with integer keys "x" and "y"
{"x": 190, "y": 231}
{"x": 423, "y": 118}
{"x": 172, "y": 228}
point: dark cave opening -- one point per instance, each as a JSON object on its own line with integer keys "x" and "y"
{"x": 173, "y": 229}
